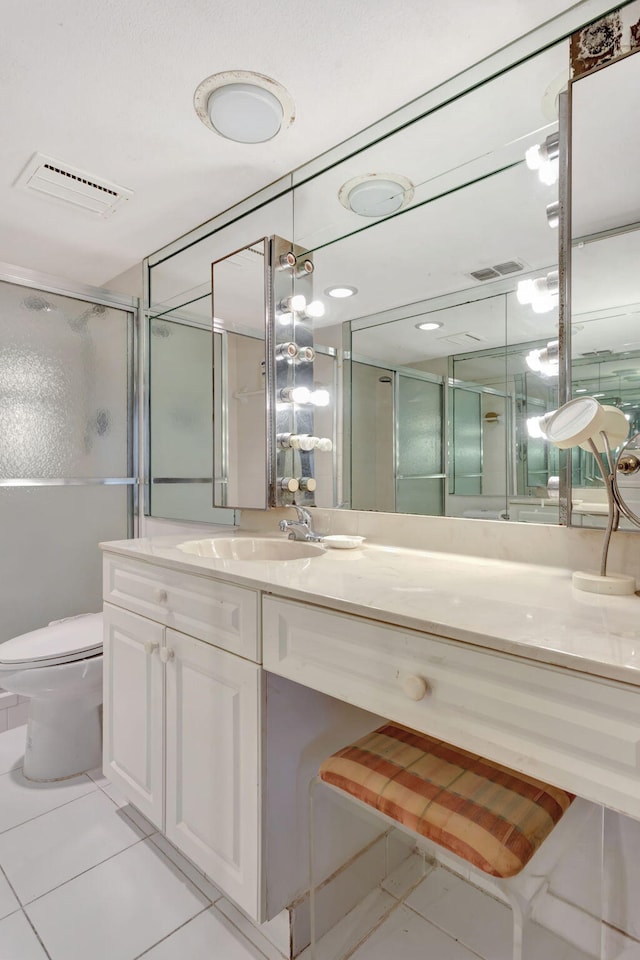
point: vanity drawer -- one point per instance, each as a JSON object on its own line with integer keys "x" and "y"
{"x": 577, "y": 731}
{"x": 218, "y": 613}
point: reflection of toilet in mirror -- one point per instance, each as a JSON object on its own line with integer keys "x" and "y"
{"x": 59, "y": 667}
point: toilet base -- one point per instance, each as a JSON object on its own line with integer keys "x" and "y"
{"x": 64, "y": 739}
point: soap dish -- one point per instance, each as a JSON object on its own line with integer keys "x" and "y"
{"x": 341, "y": 542}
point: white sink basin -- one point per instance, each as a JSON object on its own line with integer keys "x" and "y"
{"x": 251, "y": 548}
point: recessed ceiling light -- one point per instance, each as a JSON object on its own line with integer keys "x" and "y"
{"x": 376, "y": 194}
{"x": 341, "y": 292}
{"x": 580, "y": 390}
{"x": 244, "y": 106}
{"x": 428, "y": 325}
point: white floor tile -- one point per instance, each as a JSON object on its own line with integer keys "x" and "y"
{"x": 353, "y": 928}
{"x": 465, "y": 913}
{"x": 12, "y": 744}
{"x": 207, "y": 937}
{"x": 18, "y": 941}
{"x": 480, "y": 922}
{"x": 197, "y": 879}
{"x": 8, "y": 902}
{"x": 22, "y": 799}
{"x": 43, "y": 853}
{"x": 248, "y": 930}
{"x": 128, "y": 809}
{"x": 118, "y": 909}
{"x": 98, "y": 777}
{"x": 405, "y": 936}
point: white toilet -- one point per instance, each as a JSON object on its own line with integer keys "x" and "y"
{"x": 60, "y": 668}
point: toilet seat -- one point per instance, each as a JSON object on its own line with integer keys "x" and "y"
{"x": 62, "y": 642}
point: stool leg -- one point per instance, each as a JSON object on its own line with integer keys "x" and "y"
{"x": 520, "y": 909}
{"x": 312, "y": 888}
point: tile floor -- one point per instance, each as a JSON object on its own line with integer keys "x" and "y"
{"x": 84, "y": 877}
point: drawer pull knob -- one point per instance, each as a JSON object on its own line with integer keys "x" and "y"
{"x": 166, "y": 654}
{"x": 150, "y": 647}
{"x": 415, "y": 687}
{"x": 160, "y": 595}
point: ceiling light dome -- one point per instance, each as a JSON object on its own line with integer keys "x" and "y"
{"x": 376, "y": 194}
{"x": 243, "y": 106}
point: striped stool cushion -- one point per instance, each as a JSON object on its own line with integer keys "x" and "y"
{"x": 485, "y": 813}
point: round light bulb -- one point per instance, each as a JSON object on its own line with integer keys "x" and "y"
{"x": 320, "y": 398}
{"x": 297, "y": 303}
{"x": 525, "y": 291}
{"x": 300, "y": 395}
{"x": 315, "y": 309}
{"x": 532, "y": 157}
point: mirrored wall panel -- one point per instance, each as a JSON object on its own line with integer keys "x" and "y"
{"x": 435, "y": 255}
{"x": 605, "y": 253}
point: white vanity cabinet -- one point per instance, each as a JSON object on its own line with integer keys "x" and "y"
{"x": 182, "y": 730}
{"x": 217, "y": 753}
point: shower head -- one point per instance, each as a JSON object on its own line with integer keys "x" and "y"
{"x": 37, "y": 304}
{"x": 80, "y": 322}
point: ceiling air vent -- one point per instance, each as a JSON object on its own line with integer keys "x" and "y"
{"x": 62, "y": 182}
{"x": 488, "y": 273}
{"x": 464, "y": 339}
{"x": 511, "y": 266}
{"x": 498, "y": 270}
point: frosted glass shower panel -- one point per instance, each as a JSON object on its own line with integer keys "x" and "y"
{"x": 50, "y": 563}
{"x": 467, "y": 442}
{"x": 419, "y": 447}
{"x": 64, "y": 375}
{"x": 180, "y": 412}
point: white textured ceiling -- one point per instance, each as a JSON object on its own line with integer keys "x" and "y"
{"x": 107, "y": 87}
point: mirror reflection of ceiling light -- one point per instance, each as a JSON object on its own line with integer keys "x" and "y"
{"x": 340, "y": 293}
{"x": 376, "y": 194}
{"x": 428, "y": 325}
{"x": 244, "y": 106}
{"x": 545, "y": 360}
{"x": 544, "y": 158}
{"x": 541, "y": 293}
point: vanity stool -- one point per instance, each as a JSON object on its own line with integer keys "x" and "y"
{"x": 490, "y": 819}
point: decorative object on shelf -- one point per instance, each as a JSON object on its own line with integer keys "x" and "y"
{"x": 585, "y": 423}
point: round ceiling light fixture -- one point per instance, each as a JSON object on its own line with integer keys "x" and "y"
{"x": 340, "y": 293}
{"x": 244, "y": 106}
{"x": 376, "y": 194}
{"x": 428, "y": 325}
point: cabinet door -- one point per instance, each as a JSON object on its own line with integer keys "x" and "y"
{"x": 134, "y": 709}
{"x": 213, "y": 765}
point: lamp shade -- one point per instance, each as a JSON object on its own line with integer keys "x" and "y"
{"x": 616, "y": 427}
{"x": 575, "y": 422}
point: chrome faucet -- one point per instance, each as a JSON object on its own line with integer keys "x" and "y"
{"x": 302, "y": 528}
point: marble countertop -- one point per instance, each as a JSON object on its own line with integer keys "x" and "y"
{"x": 529, "y": 610}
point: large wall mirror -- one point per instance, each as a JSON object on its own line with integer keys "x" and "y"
{"x": 431, "y": 231}
{"x": 604, "y": 329}
{"x": 433, "y": 306}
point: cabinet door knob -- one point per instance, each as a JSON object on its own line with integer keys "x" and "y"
{"x": 166, "y": 654}
{"x": 150, "y": 647}
{"x": 160, "y": 595}
{"x": 415, "y": 687}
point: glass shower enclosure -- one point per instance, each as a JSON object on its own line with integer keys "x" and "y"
{"x": 67, "y": 445}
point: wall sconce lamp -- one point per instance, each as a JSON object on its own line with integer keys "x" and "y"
{"x": 585, "y": 423}
{"x": 544, "y": 158}
{"x": 541, "y": 294}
